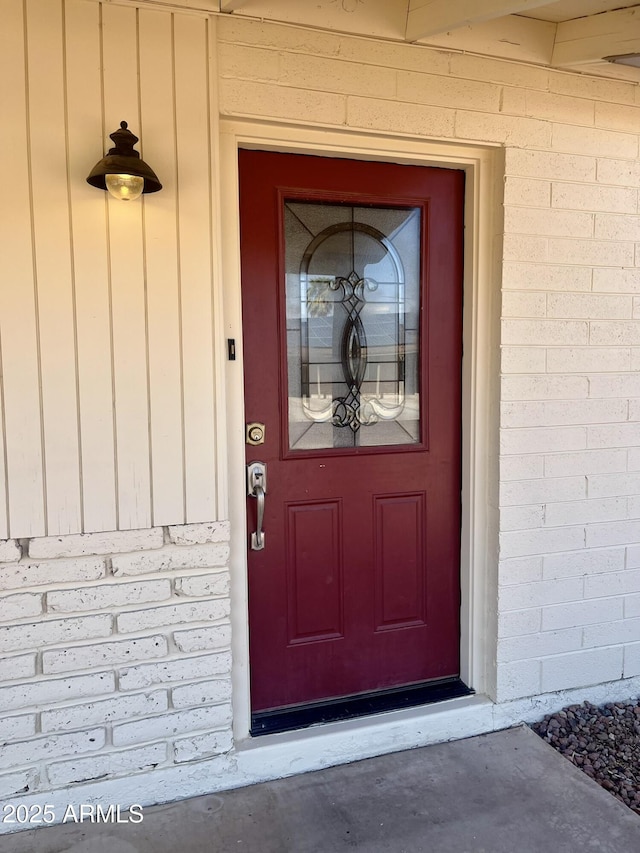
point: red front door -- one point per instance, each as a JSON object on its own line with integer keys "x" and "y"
{"x": 351, "y": 279}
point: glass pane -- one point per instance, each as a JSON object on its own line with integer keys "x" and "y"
{"x": 353, "y": 309}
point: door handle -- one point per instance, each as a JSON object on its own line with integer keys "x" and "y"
{"x": 257, "y": 488}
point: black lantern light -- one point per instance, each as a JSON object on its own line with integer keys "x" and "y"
{"x": 122, "y": 172}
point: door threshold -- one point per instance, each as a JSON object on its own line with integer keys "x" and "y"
{"x": 360, "y": 705}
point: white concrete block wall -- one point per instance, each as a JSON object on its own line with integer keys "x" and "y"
{"x": 570, "y": 417}
{"x": 570, "y": 394}
{"x": 113, "y": 664}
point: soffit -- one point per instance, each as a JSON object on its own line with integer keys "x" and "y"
{"x": 570, "y": 34}
{"x": 567, "y": 10}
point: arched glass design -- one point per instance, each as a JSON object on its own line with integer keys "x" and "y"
{"x": 353, "y": 307}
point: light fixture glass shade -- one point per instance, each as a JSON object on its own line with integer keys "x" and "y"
{"x": 125, "y": 187}
{"x": 123, "y": 162}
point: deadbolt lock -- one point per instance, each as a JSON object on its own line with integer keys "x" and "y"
{"x": 255, "y": 434}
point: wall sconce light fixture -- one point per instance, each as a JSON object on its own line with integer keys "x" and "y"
{"x": 122, "y": 172}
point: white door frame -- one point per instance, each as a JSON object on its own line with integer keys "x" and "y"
{"x": 484, "y": 169}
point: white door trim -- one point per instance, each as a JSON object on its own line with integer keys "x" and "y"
{"x": 484, "y": 168}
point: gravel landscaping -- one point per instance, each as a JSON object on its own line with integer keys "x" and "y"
{"x": 602, "y": 741}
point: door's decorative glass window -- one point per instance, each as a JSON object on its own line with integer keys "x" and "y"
{"x": 353, "y": 308}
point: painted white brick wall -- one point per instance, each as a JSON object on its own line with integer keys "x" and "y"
{"x": 570, "y": 340}
{"x": 116, "y": 646}
{"x": 97, "y": 661}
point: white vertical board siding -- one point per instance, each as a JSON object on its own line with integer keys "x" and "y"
{"x": 128, "y": 280}
{"x": 54, "y": 277}
{"x": 195, "y": 223}
{"x": 106, "y": 326}
{"x": 219, "y": 343}
{"x": 163, "y": 272}
{"x": 90, "y": 259}
{"x": 18, "y": 331}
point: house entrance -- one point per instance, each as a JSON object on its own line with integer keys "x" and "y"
{"x": 352, "y": 322}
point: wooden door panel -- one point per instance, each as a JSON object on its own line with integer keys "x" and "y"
{"x": 314, "y": 571}
{"x": 399, "y": 550}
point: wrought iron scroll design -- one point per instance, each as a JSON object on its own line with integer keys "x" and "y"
{"x": 352, "y": 409}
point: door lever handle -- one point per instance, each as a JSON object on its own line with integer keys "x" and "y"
{"x": 257, "y": 488}
{"x": 257, "y": 538}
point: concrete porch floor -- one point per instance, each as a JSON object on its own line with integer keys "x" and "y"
{"x": 496, "y": 793}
